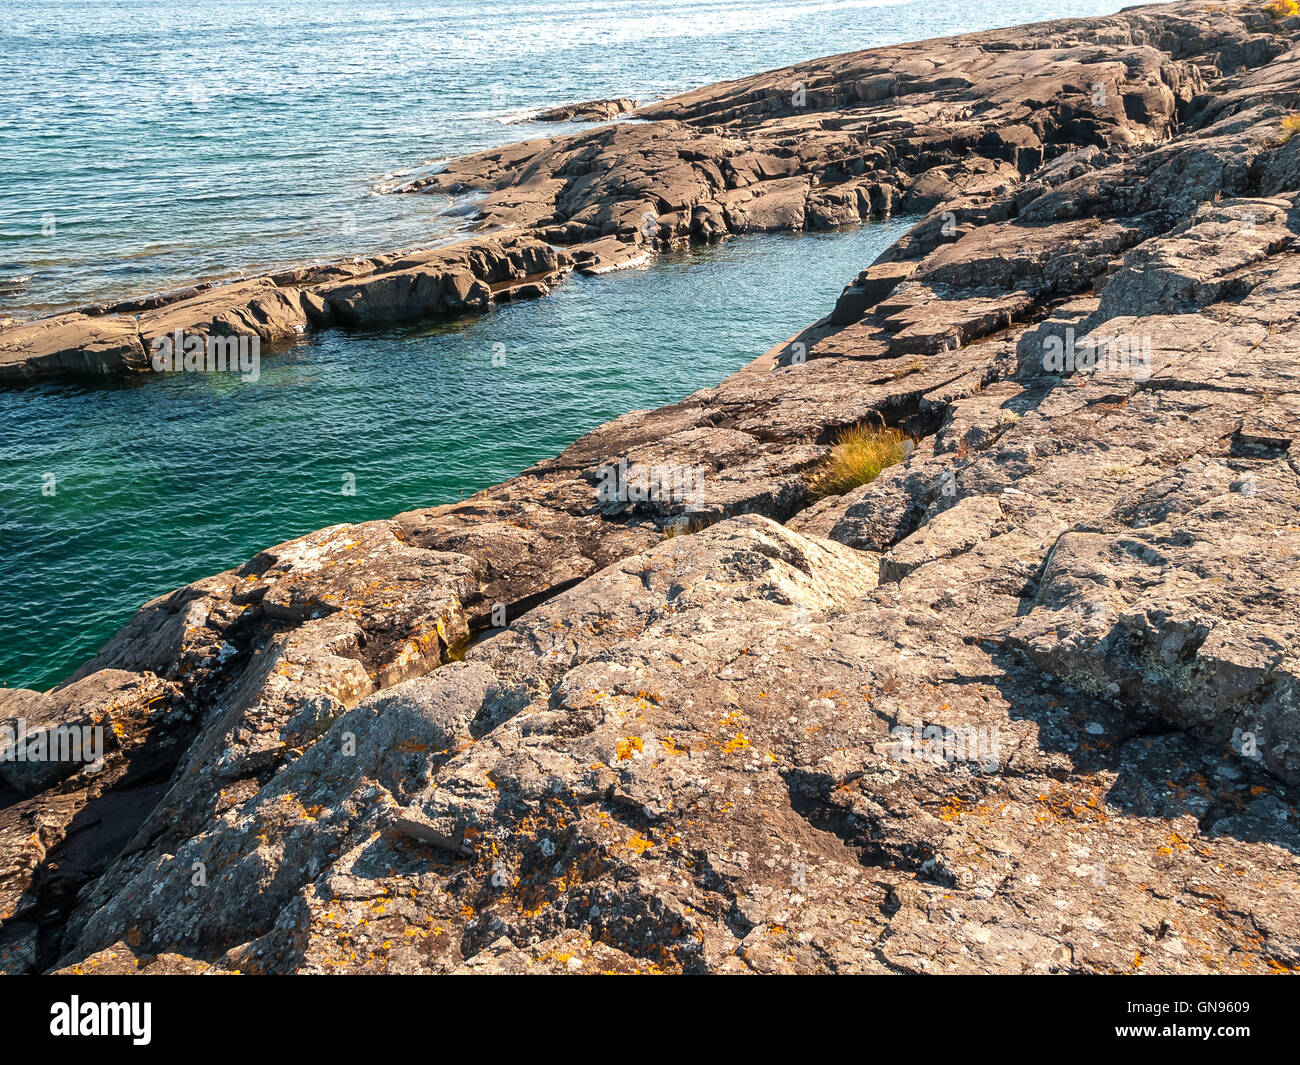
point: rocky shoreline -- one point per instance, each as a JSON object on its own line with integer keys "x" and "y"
{"x": 1027, "y": 702}
{"x": 813, "y": 146}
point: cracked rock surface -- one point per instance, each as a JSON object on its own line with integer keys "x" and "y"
{"x": 1029, "y": 701}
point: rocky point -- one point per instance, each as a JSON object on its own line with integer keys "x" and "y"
{"x": 1029, "y": 701}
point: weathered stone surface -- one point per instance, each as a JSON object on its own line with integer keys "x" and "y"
{"x": 117, "y": 339}
{"x": 466, "y": 278}
{"x": 870, "y": 286}
{"x": 591, "y": 111}
{"x": 608, "y": 254}
{"x": 951, "y": 532}
{"x": 70, "y": 344}
{"x": 47, "y": 737}
{"x": 1026, "y": 702}
{"x": 252, "y": 308}
{"x": 53, "y": 842}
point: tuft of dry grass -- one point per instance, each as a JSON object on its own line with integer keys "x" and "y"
{"x": 858, "y": 456}
{"x": 1290, "y": 126}
{"x": 1282, "y": 8}
{"x": 685, "y": 528}
{"x": 915, "y": 366}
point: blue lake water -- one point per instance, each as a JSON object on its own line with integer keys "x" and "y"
{"x": 145, "y": 144}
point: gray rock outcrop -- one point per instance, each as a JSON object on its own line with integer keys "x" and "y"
{"x": 1026, "y": 702}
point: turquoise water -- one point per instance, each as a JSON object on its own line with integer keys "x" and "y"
{"x": 160, "y": 481}
{"x": 145, "y": 144}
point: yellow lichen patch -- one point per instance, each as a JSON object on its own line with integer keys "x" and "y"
{"x": 629, "y": 748}
{"x": 638, "y": 843}
{"x": 955, "y": 807}
{"x": 737, "y": 743}
{"x": 592, "y": 697}
{"x": 1175, "y": 843}
{"x": 1077, "y": 804}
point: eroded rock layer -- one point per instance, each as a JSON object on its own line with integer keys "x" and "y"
{"x": 1026, "y": 702}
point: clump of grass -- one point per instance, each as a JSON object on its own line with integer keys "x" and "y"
{"x": 685, "y": 528}
{"x": 858, "y": 456}
{"x": 915, "y": 366}
{"x": 1290, "y": 124}
{"x": 1282, "y": 8}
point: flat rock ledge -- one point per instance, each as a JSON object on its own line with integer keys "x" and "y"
{"x": 118, "y": 339}
{"x": 1027, "y": 702}
{"x": 590, "y": 111}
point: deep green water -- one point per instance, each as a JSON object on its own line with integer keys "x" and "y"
{"x": 160, "y": 481}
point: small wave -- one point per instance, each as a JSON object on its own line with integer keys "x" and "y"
{"x": 517, "y": 117}
{"x": 399, "y": 179}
